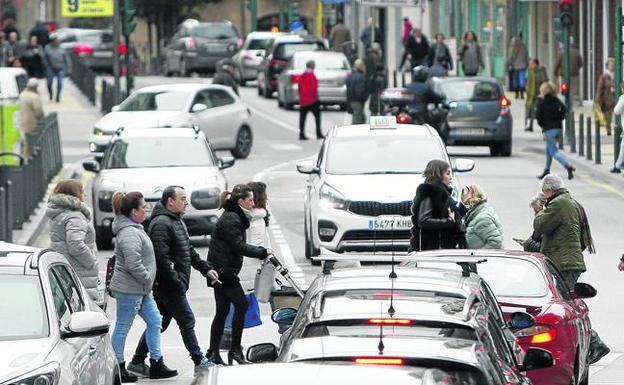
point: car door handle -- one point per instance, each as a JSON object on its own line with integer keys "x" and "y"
{"x": 92, "y": 350}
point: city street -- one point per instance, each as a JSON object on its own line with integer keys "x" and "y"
{"x": 510, "y": 183}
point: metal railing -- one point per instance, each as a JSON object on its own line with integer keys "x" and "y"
{"x": 22, "y": 187}
{"x": 83, "y": 77}
{"x": 107, "y": 99}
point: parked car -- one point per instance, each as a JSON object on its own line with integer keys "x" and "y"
{"x": 51, "y": 332}
{"x": 12, "y": 82}
{"x": 248, "y": 59}
{"x": 94, "y": 46}
{"x": 278, "y": 53}
{"x": 198, "y": 46}
{"x": 148, "y": 160}
{"x": 480, "y": 113}
{"x": 332, "y": 69}
{"x": 215, "y": 109}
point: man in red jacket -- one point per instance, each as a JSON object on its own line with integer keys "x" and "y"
{"x": 308, "y": 100}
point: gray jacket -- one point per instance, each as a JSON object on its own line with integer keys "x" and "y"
{"x": 57, "y": 58}
{"x": 135, "y": 264}
{"x": 72, "y": 234}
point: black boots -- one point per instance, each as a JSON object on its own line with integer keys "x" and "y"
{"x": 615, "y": 170}
{"x": 215, "y": 357}
{"x": 125, "y": 376}
{"x": 570, "y": 172}
{"x": 542, "y": 175}
{"x": 597, "y": 348}
{"x": 236, "y": 354}
{"x": 302, "y": 136}
{"x": 158, "y": 369}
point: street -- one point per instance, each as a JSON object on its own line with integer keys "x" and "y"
{"x": 510, "y": 183}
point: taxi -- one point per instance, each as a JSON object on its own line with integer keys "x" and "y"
{"x": 361, "y": 185}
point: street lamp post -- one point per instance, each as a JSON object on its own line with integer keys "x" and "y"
{"x": 619, "y": 20}
{"x": 567, "y": 19}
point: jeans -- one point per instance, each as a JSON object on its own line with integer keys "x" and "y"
{"x": 316, "y": 111}
{"x": 128, "y": 306}
{"x": 571, "y": 277}
{"x": 359, "y": 117}
{"x": 620, "y": 160}
{"x": 174, "y": 305}
{"x": 51, "y": 73}
{"x": 223, "y": 297}
{"x": 552, "y": 140}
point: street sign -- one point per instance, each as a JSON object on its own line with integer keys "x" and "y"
{"x": 390, "y": 3}
{"x": 87, "y": 8}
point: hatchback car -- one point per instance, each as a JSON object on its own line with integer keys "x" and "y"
{"x": 215, "y": 109}
{"x": 278, "y": 53}
{"x": 361, "y": 185}
{"x": 479, "y": 113}
{"x": 198, "y": 46}
{"x": 51, "y": 332}
{"x": 149, "y": 160}
{"x": 93, "y": 46}
{"x": 248, "y": 59}
{"x": 331, "y": 70}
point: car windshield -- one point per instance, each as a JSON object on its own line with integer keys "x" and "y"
{"x": 286, "y": 51}
{"x": 95, "y": 37}
{"x": 215, "y": 31}
{"x": 387, "y": 154}
{"x": 22, "y": 308}
{"x": 323, "y": 62}
{"x": 156, "y": 101}
{"x": 159, "y": 152}
{"x": 469, "y": 90}
{"x": 259, "y": 43}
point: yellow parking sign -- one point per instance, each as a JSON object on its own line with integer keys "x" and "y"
{"x": 87, "y": 8}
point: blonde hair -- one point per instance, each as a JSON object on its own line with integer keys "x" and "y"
{"x": 547, "y": 88}
{"x": 538, "y": 201}
{"x": 478, "y": 196}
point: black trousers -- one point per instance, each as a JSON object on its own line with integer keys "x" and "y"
{"x": 316, "y": 111}
{"x": 224, "y": 296}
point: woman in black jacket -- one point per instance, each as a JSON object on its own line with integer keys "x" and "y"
{"x": 550, "y": 111}
{"x": 436, "y": 218}
{"x": 228, "y": 245}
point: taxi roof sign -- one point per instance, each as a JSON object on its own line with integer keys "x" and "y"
{"x": 383, "y": 122}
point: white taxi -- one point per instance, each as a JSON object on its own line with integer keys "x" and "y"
{"x": 361, "y": 185}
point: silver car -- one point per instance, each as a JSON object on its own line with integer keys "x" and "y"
{"x": 332, "y": 69}
{"x": 148, "y": 160}
{"x": 248, "y": 59}
{"x": 51, "y": 332}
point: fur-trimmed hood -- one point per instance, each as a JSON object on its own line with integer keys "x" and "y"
{"x": 58, "y": 203}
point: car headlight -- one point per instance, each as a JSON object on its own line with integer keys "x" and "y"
{"x": 105, "y": 201}
{"x": 45, "y": 375}
{"x": 331, "y": 198}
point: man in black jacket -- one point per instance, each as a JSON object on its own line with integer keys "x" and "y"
{"x": 357, "y": 93}
{"x": 174, "y": 258}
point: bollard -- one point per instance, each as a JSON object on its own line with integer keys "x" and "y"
{"x": 573, "y": 133}
{"x": 589, "y": 140}
{"x": 597, "y": 156}
{"x": 9, "y": 211}
{"x": 4, "y": 224}
{"x": 560, "y": 140}
{"x": 394, "y": 78}
{"x": 402, "y": 78}
{"x": 581, "y": 146}
{"x": 617, "y": 142}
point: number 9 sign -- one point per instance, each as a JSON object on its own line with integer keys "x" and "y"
{"x": 73, "y": 5}
{"x": 87, "y": 8}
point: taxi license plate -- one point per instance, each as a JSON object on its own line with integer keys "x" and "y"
{"x": 213, "y": 47}
{"x": 471, "y": 131}
{"x": 390, "y": 224}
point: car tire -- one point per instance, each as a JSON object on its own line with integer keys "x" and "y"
{"x": 267, "y": 92}
{"x": 259, "y": 90}
{"x": 310, "y": 250}
{"x": 166, "y": 70}
{"x": 343, "y": 107}
{"x": 103, "y": 238}
{"x": 279, "y": 101}
{"x": 244, "y": 142}
{"x": 503, "y": 149}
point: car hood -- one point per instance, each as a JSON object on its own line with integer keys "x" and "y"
{"x": 140, "y": 119}
{"x": 21, "y": 356}
{"x": 376, "y": 187}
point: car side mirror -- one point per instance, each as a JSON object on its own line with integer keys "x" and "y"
{"x": 307, "y": 167}
{"x": 583, "y": 290}
{"x": 91, "y": 165}
{"x": 86, "y": 324}
{"x": 284, "y": 316}
{"x": 226, "y": 162}
{"x": 463, "y": 165}
{"x": 521, "y": 320}
{"x": 536, "y": 358}
{"x": 265, "y": 352}
{"x": 199, "y": 107}
{"x": 115, "y": 108}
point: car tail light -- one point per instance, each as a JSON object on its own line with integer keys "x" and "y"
{"x": 83, "y": 49}
{"x": 379, "y": 361}
{"x": 402, "y": 118}
{"x": 504, "y": 104}
{"x": 240, "y": 42}
{"x": 539, "y": 334}
{"x": 122, "y": 48}
{"x": 190, "y": 43}
{"x": 390, "y": 321}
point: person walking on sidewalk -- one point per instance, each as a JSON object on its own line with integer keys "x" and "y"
{"x": 619, "y": 110}
{"x": 440, "y": 54}
{"x": 131, "y": 284}
{"x": 536, "y": 75}
{"x": 309, "y": 100}
{"x": 339, "y": 36}
{"x": 417, "y": 47}
{"x": 470, "y": 55}
{"x": 604, "y": 102}
{"x": 357, "y": 93}
{"x": 405, "y": 36}
{"x": 376, "y": 79}
{"x": 517, "y": 63}
{"x": 228, "y": 246}
{"x": 550, "y": 111}
{"x": 576, "y": 63}
{"x": 32, "y": 111}
{"x": 58, "y": 64}
{"x": 174, "y": 258}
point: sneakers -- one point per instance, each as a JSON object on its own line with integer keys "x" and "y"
{"x": 570, "y": 172}
{"x": 125, "y": 376}
{"x": 141, "y": 369}
{"x": 158, "y": 369}
{"x": 205, "y": 364}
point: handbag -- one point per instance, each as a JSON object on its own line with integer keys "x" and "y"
{"x": 110, "y": 269}
{"x": 263, "y": 281}
{"x": 252, "y": 315}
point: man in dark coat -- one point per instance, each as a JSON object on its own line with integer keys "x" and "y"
{"x": 439, "y": 53}
{"x": 376, "y": 78}
{"x": 41, "y": 31}
{"x": 174, "y": 258}
{"x": 357, "y": 92}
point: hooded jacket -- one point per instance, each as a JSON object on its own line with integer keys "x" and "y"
{"x": 483, "y": 228}
{"x": 72, "y": 234}
{"x": 173, "y": 250}
{"x": 135, "y": 264}
{"x": 228, "y": 244}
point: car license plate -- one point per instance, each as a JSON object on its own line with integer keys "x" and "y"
{"x": 102, "y": 54}
{"x": 471, "y": 131}
{"x": 215, "y": 47}
{"x": 387, "y": 224}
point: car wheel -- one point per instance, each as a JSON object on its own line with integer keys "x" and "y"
{"x": 343, "y": 107}
{"x": 166, "y": 70}
{"x": 310, "y": 250}
{"x": 267, "y": 92}
{"x": 244, "y": 141}
{"x": 503, "y": 149}
{"x": 103, "y": 238}
{"x": 183, "y": 69}
{"x": 279, "y": 101}
{"x": 259, "y": 89}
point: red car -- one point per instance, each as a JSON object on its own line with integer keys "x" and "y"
{"x": 530, "y": 282}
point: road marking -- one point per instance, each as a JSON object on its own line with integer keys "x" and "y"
{"x": 286, "y": 147}
{"x": 604, "y": 186}
{"x": 272, "y": 119}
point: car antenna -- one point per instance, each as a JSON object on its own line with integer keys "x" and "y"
{"x": 391, "y": 310}
{"x": 393, "y": 273}
{"x": 381, "y": 345}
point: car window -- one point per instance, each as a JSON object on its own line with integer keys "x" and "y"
{"x": 202, "y": 97}
{"x": 22, "y": 308}
{"x": 560, "y": 283}
{"x": 21, "y": 81}
{"x": 259, "y": 43}
{"x": 287, "y": 50}
{"x": 323, "y": 62}
{"x": 367, "y": 328}
{"x": 215, "y": 31}
{"x": 470, "y": 90}
{"x": 65, "y": 294}
{"x": 156, "y": 101}
{"x": 94, "y": 37}
{"x": 513, "y": 277}
{"x": 220, "y": 98}
{"x": 70, "y": 287}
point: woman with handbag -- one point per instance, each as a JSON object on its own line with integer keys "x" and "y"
{"x": 228, "y": 245}
{"x": 258, "y": 235}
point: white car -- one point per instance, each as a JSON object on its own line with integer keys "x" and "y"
{"x": 248, "y": 59}
{"x": 12, "y": 82}
{"x": 148, "y": 160}
{"x": 361, "y": 186}
{"x": 215, "y": 109}
{"x": 51, "y": 332}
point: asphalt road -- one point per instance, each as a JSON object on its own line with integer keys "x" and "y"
{"x": 509, "y": 182}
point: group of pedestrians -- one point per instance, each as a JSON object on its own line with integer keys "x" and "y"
{"x": 152, "y": 267}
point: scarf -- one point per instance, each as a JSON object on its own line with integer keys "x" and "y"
{"x": 247, "y": 213}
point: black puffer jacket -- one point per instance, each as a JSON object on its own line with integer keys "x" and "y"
{"x": 174, "y": 253}
{"x": 431, "y": 226}
{"x": 550, "y": 111}
{"x": 228, "y": 244}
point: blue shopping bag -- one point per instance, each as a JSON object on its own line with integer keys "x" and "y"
{"x": 252, "y": 316}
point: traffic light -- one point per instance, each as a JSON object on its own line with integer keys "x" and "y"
{"x": 566, "y": 13}
{"x": 127, "y": 17}
{"x": 293, "y": 11}
{"x": 565, "y": 88}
